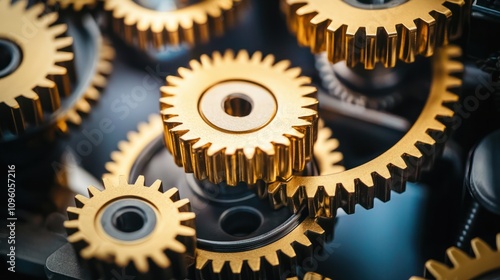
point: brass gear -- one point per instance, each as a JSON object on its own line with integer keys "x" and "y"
{"x": 38, "y": 82}
{"x": 347, "y": 31}
{"x": 163, "y": 239}
{"x": 415, "y": 152}
{"x": 235, "y": 144}
{"x": 76, "y": 5}
{"x": 485, "y": 260}
{"x": 192, "y": 24}
{"x": 98, "y": 82}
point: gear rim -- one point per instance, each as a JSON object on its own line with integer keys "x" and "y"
{"x": 284, "y": 145}
{"x": 415, "y": 152}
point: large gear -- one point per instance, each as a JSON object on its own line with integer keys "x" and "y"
{"x": 363, "y": 33}
{"x": 99, "y": 80}
{"x": 485, "y": 261}
{"x": 278, "y": 254}
{"x": 192, "y": 24}
{"x": 266, "y": 134}
{"x": 32, "y": 84}
{"x": 131, "y": 225}
{"x": 415, "y": 152}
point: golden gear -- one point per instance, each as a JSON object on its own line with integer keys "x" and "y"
{"x": 99, "y": 80}
{"x": 131, "y": 225}
{"x": 486, "y": 260}
{"x": 267, "y": 262}
{"x": 35, "y": 83}
{"x": 192, "y": 24}
{"x": 311, "y": 276}
{"x": 325, "y": 149}
{"x": 264, "y": 130}
{"x": 347, "y": 31}
{"x": 415, "y": 152}
{"x": 76, "y": 5}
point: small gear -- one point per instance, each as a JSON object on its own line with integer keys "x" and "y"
{"x": 133, "y": 226}
{"x": 191, "y": 24}
{"x": 76, "y": 5}
{"x": 485, "y": 261}
{"x": 366, "y": 33}
{"x": 415, "y": 152}
{"x": 243, "y": 120}
{"x": 326, "y": 153}
{"x": 99, "y": 80}
{"x": 32, "y": 84}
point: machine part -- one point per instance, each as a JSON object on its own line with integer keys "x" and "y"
{"x": 485, "y": 264}
{"x": 103, "y": 69}
{"x": 311, "y": 276}
{"x": 375, "y": 89}
{"x": 133, "y": 226}
{"x": 379, "y": 31}
{"x": 32, "y": 84}
{"x": 243, "y": 120}
{"x": 76, "y": 5}
{"x": 143, "y": 24}
{"x": 288, "y": 240}
{"x": 415, "y": 152}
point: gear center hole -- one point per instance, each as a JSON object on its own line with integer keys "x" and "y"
{"x": 238, "y": 105}
{"x": 129, "y": 219}
{"x": 10, "y": 57}
{"x": 241, "y": 221}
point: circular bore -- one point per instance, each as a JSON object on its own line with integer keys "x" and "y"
{"x": 10, "y": 57}
{"x": 128, "y": 219}
{"x": 241, "y": 221}
{"x": 238, "y": 106}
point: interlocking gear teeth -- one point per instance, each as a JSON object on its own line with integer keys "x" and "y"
{"x": 166, "y": 250}
{"x": 99, "y": 81}
{"x": 415, "y": 152}
{"x": 193, "y": 24}
{"x": 76, "y": 5}
{"x": 326, "y": 154}
{"x": 39, "y": 82}
{"x": 267, "y": 262}
{"x": 277, "y": 148}
{"x": 367, "y": 36}
{"x": 465, "y": 267}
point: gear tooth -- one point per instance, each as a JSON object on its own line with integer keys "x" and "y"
{"x": 437, "y": 269}
{"x": 172, "y": 193}
{"x": 184, "y": 230}
{"x": 88, "y": 252}
{"x": 194, "y": 64}
{"x": 160, "y": 260}
{"x": 228, "y": 55}
{"x": 257, "y": 57}
{"x": 453, "y": 82}
{"x": 138, "y": 183}
{"x": 157, "y": 185}
{"x": 242, "y": 56}
{"x": 294, "y": 72}
{"x": 93, "y": 191}
{"x": 272, "y": 259}
{"x": 303, "y": 240}
{"x": 56, "y": 30}
{"x": 268, "y": 60}
{"x": 217, "y": 266}
{"x": 480, "y": 248}
{"x": 141, "y": 264}
{"x": 72, "y": 224}
{"x": 183, "y": 204}
{"x": 184, "y": 72}
{"x": 282, "y": 65}
{"x": 407, "y": 47}
{"x": 80, "y": 200}
{"x": 236, "y": 266}
{"x": 35, "y": 10}
{"x": 457, "y": 256}
{"x": 254, "y": 264}
{"x": 75, "y": 237}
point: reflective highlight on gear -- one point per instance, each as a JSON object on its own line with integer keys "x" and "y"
{"x": 99, "y": 81}
{"x": 131, "y": 226}
{"x": 38, "y": 82}
{"x": 377, "y": 34}
{"x": 279, "y": 145}
{"x": 415, "y": 152}
{"x": 484, "y": 261}
{"x": 192, "y": 24}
